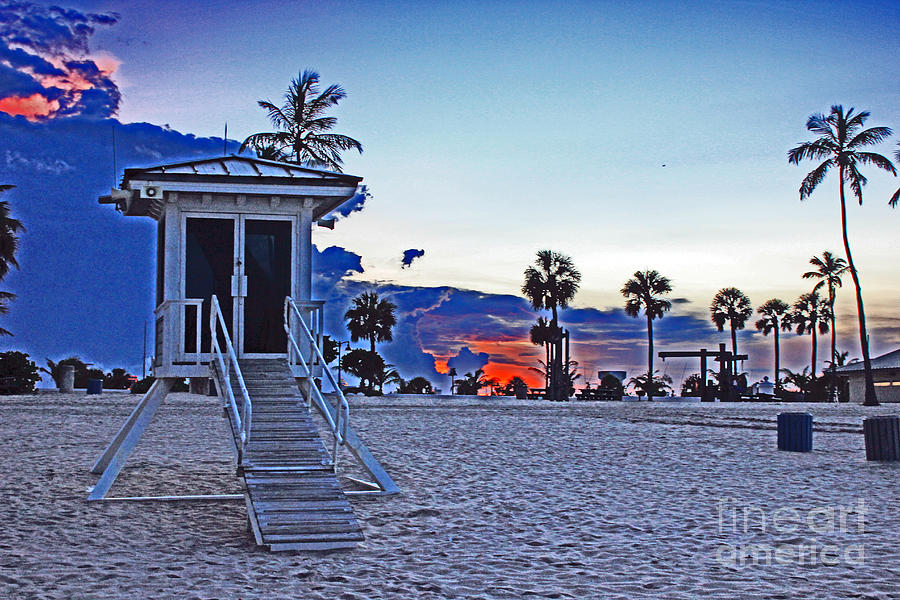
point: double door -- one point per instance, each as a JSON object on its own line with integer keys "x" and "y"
{"x": 247, "y": 262}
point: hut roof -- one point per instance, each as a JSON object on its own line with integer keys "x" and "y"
{"x": 232, "y": 175}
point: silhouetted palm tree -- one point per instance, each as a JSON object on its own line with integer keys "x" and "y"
{"x": 651, "y": 384}
{"x": 896, "y": 196}
{"x": 642, "y": 292}
{"x": 471, "y": 383}
{"x": 371, "y": 318}
{"x": 775, "y": 316}
{"x": 828, "y": 271}
{"x": 839, "y": 145}
{"x": 542, "y": 334}
{"x": 811, "y": 314}
{"x": 302, "y": 126}
{"x": 550, "y": 284}
{"x": 731, "y": 305}
{"x": 9, "y": 245}
{"x": 802, "y": 379}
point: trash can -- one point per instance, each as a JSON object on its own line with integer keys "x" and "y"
{"x": 212, "y": 388}
{"x": 882, "y": 438}
{"x": 795, "y": 432}
{"x": 95, "y": 386}
{"x": 67, "y": 379}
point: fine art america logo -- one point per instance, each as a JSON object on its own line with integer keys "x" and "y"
{"x": 807, "y": 535}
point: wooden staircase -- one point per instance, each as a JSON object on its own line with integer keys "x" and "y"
{"x": 294, "y": 500}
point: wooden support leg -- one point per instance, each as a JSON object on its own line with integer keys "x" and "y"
{"x": 113, "y": 458}
{"x": 365, "y": 458}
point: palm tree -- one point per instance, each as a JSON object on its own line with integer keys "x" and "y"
{"x": 9, "y": 245}
{"x": 731, "y": 305}
{"x": 896, "y": 196}
{"x": 471, "y": 383}
{"x": 811, "y": 313}
{"x": 541, "y": 334}
{"x": 775, "y": 316}
{"x": 643, "y": 291}
{"x": 302, "y": 126}
{"x": 371, "y": 318}
{"x": 839, "y": 145}
{"x": 828, "y": 271}
{"x": 651, "y": 384}
{"x": 550, "y": 284}
{"x": 802, "y": 379}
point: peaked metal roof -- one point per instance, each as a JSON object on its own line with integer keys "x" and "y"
{"x": 218, "y": 168}
{"x": 891, "y": 360}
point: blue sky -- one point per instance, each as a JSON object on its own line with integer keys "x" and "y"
{"x": 493, "y": 129}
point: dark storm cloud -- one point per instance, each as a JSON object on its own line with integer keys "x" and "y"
{"x": 354, "y": 204}
{"x": 467, "y": 361}
{"x": 44, "y": 68}
{"x": 409, "y": 256}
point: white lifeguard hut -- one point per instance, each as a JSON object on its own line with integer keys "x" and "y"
{"x": 234, "y": 304}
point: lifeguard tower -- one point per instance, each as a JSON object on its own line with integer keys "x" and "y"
{"x": 234, "y": 304}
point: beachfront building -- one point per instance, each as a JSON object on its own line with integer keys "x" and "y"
{"x": 234, "y": 306}
{"x": 885, "y": 371}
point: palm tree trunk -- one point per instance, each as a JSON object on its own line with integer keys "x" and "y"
{"x": 734, "y": 344}
{"x": 870, "y": 398}
{"x": 812, "y": 367}
{"x": 556, "y": 369}
{"x": 777, "y": 361}
{"x": 833, "y": 346}
{"x": 649, "y": 348}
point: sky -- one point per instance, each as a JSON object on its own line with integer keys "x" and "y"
{"x": 627, "y": 135}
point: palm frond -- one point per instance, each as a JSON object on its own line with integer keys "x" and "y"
{"x": 819, "y": 149}
{"x": 894, "y": 199}
{"x": 857, "y": 181}
{"x": 873, "y": 158}
{"x": 869, "y": 137}
{"x": 814, "y": 178}
{"x": 818, "y": 123}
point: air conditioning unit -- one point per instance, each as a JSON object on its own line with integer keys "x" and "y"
{"x": 152, "y": 192}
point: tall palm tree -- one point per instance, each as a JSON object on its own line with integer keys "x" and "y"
{"x": 642, "y": 292}
{"x": 775, "y": 315}
{"x": 371, "y": 318}
{"x": 839, "y": 145}
{"x": 811, "y": 314}
{"x": 550, "y": 284}
{"x": 302, "y": 126}
{"x": 9, "y": 245}
{"x": 731, "y": 305}
{"x": 828, "y": 270}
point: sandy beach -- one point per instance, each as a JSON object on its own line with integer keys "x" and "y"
{"x": 502, "y": 499}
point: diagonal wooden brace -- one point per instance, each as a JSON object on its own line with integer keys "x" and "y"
{"x": 116, "y": 454}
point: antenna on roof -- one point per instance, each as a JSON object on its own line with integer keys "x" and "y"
{"x": 225, "y": 141}
{"x": 115, "y": 168}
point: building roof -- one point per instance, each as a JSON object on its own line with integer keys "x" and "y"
{"x": 236, "y": 166}
{"x": 891, "y": 360}
{"x": 230, "y": 175}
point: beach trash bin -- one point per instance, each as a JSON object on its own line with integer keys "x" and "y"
{"x": 67, "y": 379}
{"x": 795, "y": 431}
{"x": 95, "y": 386}
{"x": 882, "y": 438}
{"x": 212, "y": 388}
